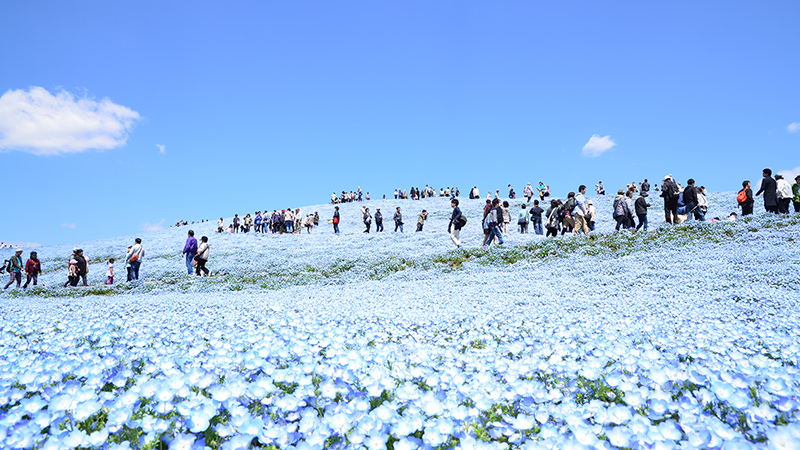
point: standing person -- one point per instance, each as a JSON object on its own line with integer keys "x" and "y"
{"x": 288, "y": 221}
{"x": 536, "y": 218}
{"x": 591, "y": 214}
{"x": 619, "y": 210}
{"x": 745, "y": 198}
{"x": 83, "y": 266}
{"x": 110, "y": 272}
{"x": 528, "y": 192}
{"x": 669, "y": 191}
{"x": 316, "y": 218}
{"x": 221, "y": 225}
{"x": 629, "y": 211}
{"x": 398, "y": 220}
{"x": 128, "y": 268}
{"x": 553, "y": 221}
{"x": 190, "y": 250}
{"x": 522, "y": 220}
{"x": 796, "y": 194}
{"x": 457, "y": 221}
{"x": 336, "y": 220}
{"x": 378, "y": 220}
{"x": 395, "y": 194}
{"x": 690, "y": 199}
{"x": 257, "y": 222}
{"x": 486, "y": 232}
{"x": 784, "y": 191}
{"x": 202, "y": 258}
{"x": 15, "y": 269}
{"x": 32, "y": 270}
{"x": 235, "y": 223}
{"x": 493, "y": 222}
{"x": 641, "y": 206}
{"x": 72, "y": 271}
{"x": 506, "y": 216}
{"x": 770, "y": 189}
{"x": 541, "y": 190}
{"x": 511, "y": 194}
{"x": 645, "y": 187}
{"x": 135, "y": 258}
{"x": 580, "y": 212}
{"x": 702, "y": 204}
{"x": 568, "y": 220}
{"x": 421, "y": 219}
{"x": 367, "y": 219}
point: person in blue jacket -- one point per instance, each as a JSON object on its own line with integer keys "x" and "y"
{"x": 190, "y": 250}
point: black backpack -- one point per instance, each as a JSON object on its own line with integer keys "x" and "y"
{"x": 571, "y": 204}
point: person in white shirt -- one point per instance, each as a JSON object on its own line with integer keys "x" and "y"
{"x": 784, "y": 194}
{"x": 579, "y": 213}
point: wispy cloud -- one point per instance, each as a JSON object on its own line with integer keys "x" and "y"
{"x": 38, "y": 122}
{"x": 68, "y": 225}
{"x": 162, "y": 149}
{"x": 153, "y": 226}
{"x": 789, "y": 175}
{"x": 598, "y": 145}
{"x": 793, "y": 127}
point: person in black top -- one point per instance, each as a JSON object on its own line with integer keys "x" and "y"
{"x": 83, "y": 266}
{"x": 336, "y": 220}
{"x": 747, "y": 204}
{"x": 378, "y": 220}
{"x": 456, "y": 222}
{"x": 690, "y": 198}
{"x": 645, "y": 186}
{"x": 669, "y": 191}
{"x": 770, "y": 189}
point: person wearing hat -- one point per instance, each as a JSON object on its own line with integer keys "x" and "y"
{"x": 641, "y": 206}
{"x": 15, "y": 269}
{"x": 591, "y": 213}
{"x": 670, "y": 191}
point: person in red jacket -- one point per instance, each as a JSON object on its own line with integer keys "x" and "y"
{"x": 32, "y": 270}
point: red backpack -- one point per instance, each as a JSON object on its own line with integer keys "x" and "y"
{"x": 742, "y": 196}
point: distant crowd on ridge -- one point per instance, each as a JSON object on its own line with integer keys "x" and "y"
{"x": 576, "y": 214}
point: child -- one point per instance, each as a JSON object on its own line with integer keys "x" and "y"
{"x": 110, "y": 271}
{"x": 72, "y": 273}
{"x": 32, "y": 269}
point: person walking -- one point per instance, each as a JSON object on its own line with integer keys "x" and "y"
{"x": 745, "y": 199}
{"x": 591, "y": 214}
{"x": 522, "y": 220}
{"x": 702, "y": 204}
{"x": 421, "y": 219}
{"x": 536, "y": 218}
{"x": 528, "y": 192}
{"x": 580, "y": 212}
{"x": 641, "y": 206}
{"x": 202, "y": 258}
{"x": 506, "y": 208}
{"x": 110, "y": 272}
{"x": 190, "y": 251}
{"x": 367, "y": 219}
{"x": 14, "y": 269}
{"x": 784, "y": 191}
{"x": 398, "y": 220}
{"x": 796, "y": 194}
{"x": 32, "y": 270}
{"x": 135, "y": 258}
{"x": 335, "y": 220}
{"x": 457, "y": 221}
{"x": 770, "y": 189}
{"x": 690, "y": 199}
{"x": 493, "y": 222}
{"x": 619, "y": 210}
{"x": 83, "y": 266}
{"x": 645, "y": 186}
{"x": 553, "y": 221}
{"x": 128, "y": 268}
{"x": 378, "y": 220}
{"x": 669, "y": 191}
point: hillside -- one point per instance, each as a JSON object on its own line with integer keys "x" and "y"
{"x": 681, "y": 336}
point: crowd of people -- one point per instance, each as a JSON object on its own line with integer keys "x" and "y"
{"x": 575, "y": 214}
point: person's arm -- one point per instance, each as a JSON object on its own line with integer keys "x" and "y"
{"x": 761, "y": 189}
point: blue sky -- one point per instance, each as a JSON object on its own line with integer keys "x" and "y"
{"x": 121, "y": 116}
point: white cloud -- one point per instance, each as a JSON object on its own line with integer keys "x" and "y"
{"x": 161, "y": 149}
{"x": 793, "y": 127}
{"x": 68, "y": 225}
{"x": 789, "y": 175}
{"x": 153, "y": 226}
{"x": 598, "y": 145}
{"x": 38, "y": 122}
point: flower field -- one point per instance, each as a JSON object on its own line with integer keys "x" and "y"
{"x": 681, "y": 337}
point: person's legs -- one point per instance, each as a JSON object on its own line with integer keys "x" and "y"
{"x": 537, "y": 227}
{"x": 129, "y": 269}
{"x": 699, "y": 215}
{"x": 83, "y": 277}
{"x": 135, "y": 269}
{"x": 189, "y": 259}
{"x": 691, "y": 207}
{"x": 28, "y": 279}
{"x": 454, "y": 237}
{"x": 620, "y": 222}
{"x": 336, "y": 228}
{"x": 642, "y": 221}
{"x": 419, "y": 227}
{"x": 797, "y": 207}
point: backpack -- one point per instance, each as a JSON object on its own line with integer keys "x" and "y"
{"x": 742, "y": 196}
{"x": 6, "y": 266}
{"x": 570, "y": 205}
{"x": 461, "y": 221}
